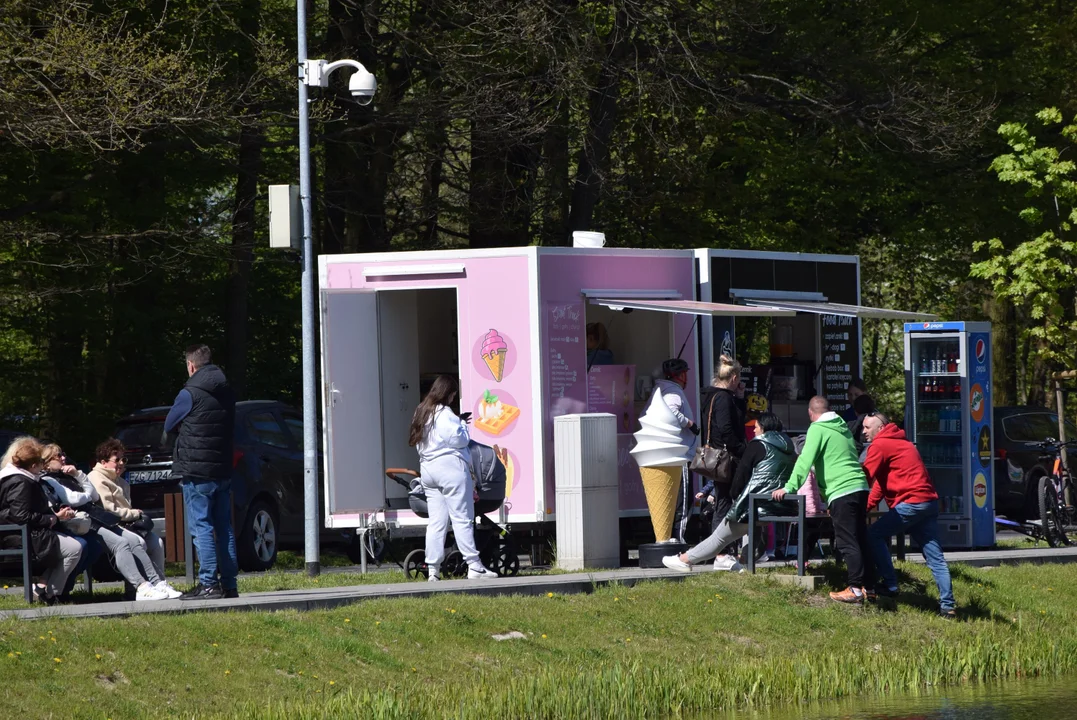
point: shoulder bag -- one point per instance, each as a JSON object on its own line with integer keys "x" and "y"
{"x": 709, "y": 461}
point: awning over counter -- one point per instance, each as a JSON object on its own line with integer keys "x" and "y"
{"x": 829, "y": 308}
{"x": 694, "y": 307}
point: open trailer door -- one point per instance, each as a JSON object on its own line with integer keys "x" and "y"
{"x": 351, "y": 403}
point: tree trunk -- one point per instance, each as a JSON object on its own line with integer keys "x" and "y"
{"x": 1004, "y": 351}
{"x": 592, "y": 163}
{"x": 556, "y": 156}
{"x": 242, "y": 258}
{"x": 249, "y": 159}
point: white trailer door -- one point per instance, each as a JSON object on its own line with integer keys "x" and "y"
{"x": 351, "y": 403}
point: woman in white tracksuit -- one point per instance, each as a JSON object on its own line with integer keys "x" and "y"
{"x": 444, "y": 468}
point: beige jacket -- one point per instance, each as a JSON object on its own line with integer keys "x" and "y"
{"x": 115, "y": 493}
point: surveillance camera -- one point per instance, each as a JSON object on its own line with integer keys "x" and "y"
{"x": 362, "y": 86}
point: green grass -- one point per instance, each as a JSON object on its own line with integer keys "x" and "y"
{"x": 659, "y": 649}
{"x": 1022, "y": 543}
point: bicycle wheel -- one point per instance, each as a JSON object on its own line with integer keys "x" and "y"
{"x": 1050, "y": 514}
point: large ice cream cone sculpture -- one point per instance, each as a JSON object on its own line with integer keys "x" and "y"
{"x": 660, "y": 486}
{"x": 493, "y": 353}
{"x": 661, "y": 457}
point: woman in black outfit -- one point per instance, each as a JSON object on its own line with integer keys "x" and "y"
{"x": 722, "y": 414}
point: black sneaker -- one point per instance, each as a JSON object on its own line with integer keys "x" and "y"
{"x": 203, "y": 592}
{"x": 231, "y": 593}
{"x": 948, "y": 614}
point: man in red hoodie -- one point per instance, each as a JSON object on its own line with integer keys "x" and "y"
{"x": 897, "y": 474}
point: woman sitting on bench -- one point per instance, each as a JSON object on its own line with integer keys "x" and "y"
{"x": 766, "y": 466}
{"x": 74, "y": 489}
{"x": 23, "y": 502}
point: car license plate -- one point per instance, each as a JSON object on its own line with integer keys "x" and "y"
{"x": 138, "y": 477}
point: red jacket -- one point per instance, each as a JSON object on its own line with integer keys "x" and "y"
{"x": 896, "y": 470}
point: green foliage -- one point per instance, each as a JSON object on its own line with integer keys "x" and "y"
{"x": 1038, "y": 274}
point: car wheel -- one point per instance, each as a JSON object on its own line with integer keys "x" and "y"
{"x": 257, "y": 547}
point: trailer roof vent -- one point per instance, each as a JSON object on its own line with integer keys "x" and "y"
{"x": 584, "y": 239}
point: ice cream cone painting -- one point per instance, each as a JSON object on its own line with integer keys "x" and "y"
{"x": 494, "y": 351}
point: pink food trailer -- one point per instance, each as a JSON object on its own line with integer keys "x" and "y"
{"x": 511, "y": 325}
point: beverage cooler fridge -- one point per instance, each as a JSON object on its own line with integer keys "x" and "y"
{"x": 948, "y": 416}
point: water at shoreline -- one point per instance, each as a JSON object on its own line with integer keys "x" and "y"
{"x": 1036, "y": 699}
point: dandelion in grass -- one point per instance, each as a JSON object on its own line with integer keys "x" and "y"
{"x": 227, "y": 672}
{"x": 544, "y": 636}
{"x": 347, "y": 620}
{"x": 11, "y": 654}
{"x": 214, "y": 644}
{"x": 452, "y": 612}
{"x": 414, "y": 670}
{"x": 549, "y": 594}
{"x": 332, "y": 682}
{"x": 97, "y": 656}
{"x": 377, "y": 622}
{"x": 57, "y": 660}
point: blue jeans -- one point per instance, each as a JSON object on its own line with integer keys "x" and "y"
{"x": 208, "y": 504}
{"x": 918, "y": 521}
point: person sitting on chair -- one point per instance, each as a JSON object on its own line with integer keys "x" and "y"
{"x": 766, "y": 465}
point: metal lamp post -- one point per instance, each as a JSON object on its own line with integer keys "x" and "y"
{"x": 362, "y": 86}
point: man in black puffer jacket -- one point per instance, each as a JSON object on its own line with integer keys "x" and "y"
{"x": 204, "y": 413}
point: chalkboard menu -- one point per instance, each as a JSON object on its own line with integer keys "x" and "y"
{"x": 841, "y": 358}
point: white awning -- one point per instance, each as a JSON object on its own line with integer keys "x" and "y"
{"x": 857, "y": 311}
{"x": 693, "y": 307}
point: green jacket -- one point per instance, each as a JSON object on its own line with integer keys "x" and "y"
{"x": 830, "y": 448}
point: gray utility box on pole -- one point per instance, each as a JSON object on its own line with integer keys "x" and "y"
{"x": 285, "y": 217}
{"x": 585, "y": 472}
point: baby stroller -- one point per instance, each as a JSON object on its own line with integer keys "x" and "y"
{"x": 497, "y": 550}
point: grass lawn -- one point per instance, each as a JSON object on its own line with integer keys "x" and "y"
{"x": 660, "y": 649}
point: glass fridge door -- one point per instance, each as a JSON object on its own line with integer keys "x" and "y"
{"x": 936, "y": 419}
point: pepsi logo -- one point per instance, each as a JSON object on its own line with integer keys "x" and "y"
{"x": 927, "y": 325}
{"x": 981, "y": 350}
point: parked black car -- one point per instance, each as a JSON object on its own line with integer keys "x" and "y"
{"x": 1018, "y": 468}
{"x": 267, "y": 487}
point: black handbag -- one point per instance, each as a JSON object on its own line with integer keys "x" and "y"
{"x": 143, "y": 526}
{"x": 101, "y": 516}
{"x": 712, "y": 462}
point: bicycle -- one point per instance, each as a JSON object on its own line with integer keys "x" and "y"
{"x": 1055, "y": 493}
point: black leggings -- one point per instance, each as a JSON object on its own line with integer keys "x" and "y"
{"x": 850, "y": 515}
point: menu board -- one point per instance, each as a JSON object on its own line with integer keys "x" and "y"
{"x": 612, "y": 389}
{"x": 566, "y": 351}
{"x": 841, "y": 358}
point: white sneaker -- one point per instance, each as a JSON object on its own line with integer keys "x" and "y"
{"x": 149, "y": 592}
{"x": 170, "y": 592}
{"x": 480, "y": 573}
{"x": 726, "y": 563}
{"x": 674, "y": 562}
{"x": 433, "y": 577}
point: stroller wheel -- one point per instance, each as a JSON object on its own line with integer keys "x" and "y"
{"x": 453, "y": 565}
{"x": 415, "y": 565}
{"x": 508, "y": 559}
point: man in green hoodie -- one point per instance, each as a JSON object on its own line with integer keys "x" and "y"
{"x": 829, "y": 447}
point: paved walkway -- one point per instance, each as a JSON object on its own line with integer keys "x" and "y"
{"x": 319, "y": 598}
